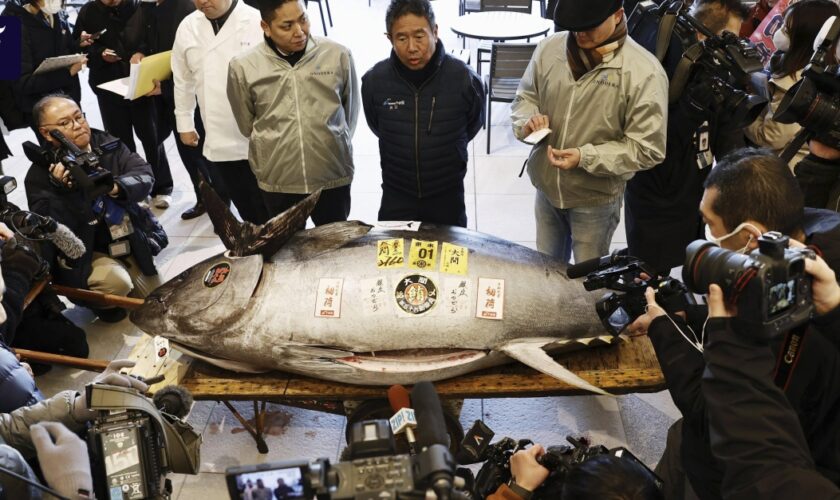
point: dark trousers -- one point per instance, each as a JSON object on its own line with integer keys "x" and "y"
{"x": 820, "y": 182}
{"x": 195, "y": 163}
{"x": 123, "y": 119}
{"x": 332, "y": 206}
{"x": 444, "y": 208}
{"x": 241, "y": 185}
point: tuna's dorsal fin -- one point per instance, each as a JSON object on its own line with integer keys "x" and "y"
{"x": 531, "y": 353}
{"x": 245, "y": 238}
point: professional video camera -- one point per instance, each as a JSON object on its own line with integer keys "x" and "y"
{"x": 720, "y": 63}
{"x": 769, "y": 286}
{"x": 814, "y": 101}
{"x": 85, "y": 170}
{"x": 374, "y": 470}
{"x": 134, "y": 441}
{"x": 624, "y": 273}
{"x": 559, "y": 460}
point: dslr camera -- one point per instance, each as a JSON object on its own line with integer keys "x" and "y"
{"x": 720, "y": 64}
{"x": 133, "y": 444}
{"x": 814, "y": 102}
{"x": 769, "y": 285}
{"x": 87, "y": 174}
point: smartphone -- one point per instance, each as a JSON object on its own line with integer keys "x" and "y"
{"x": 98, "y": 34}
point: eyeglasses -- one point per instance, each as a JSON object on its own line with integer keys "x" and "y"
{"x": 67, "y": 123}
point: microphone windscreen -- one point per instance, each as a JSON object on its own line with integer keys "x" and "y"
{"x": 174, "y": 400}
{"x": 431, "y": 426}
{"x": 67, "y": 242}
{"x": 398, "y": 397}
{"x": 575, "y": 271}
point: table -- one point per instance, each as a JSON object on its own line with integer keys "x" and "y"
{"x": 499, "y": 26}
{"x": 627, "y": 367}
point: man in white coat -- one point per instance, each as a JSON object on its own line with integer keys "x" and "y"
{"x": 205, "y": 43}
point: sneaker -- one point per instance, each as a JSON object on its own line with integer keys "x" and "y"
{"x": 162, "y": 201}
{"x": 112, "y": 315}
{"x": 196, "y": 211}
{"x": 145, "y": 202}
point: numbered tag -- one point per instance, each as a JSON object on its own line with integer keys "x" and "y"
{"x": 423, "y": 255}
{"x": 390, "y": 253}
{"x": 122, "y": 229}
{"x": 328, "y": 299}
{"x": 161, "y": 349}
{"x": 454, "y": 259}
{"x": 491, "y": 298}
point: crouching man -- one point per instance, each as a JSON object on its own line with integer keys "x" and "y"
{"x": 121, "y": 238}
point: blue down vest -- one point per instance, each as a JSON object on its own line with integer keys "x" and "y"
{"x": 423, "y": 132}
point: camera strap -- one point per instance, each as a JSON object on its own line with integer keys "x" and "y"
{"x": 789, "y": 356}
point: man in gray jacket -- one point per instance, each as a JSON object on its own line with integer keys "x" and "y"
{"x": 605, "y": 99}
{"x": 295, "y": 97}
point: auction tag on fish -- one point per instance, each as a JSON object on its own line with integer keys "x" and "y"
{"x": 491, "y": 298}
{"x": 374, "y": 293}
{"x": 454, "y": 259}
{"x": 390, "y": 253}
{"x": 416, "y": 294}
{"x": 457, "y": 298}
{"x": 422, "y": 255}
{"x": 328, "y": 300}
{"x": 161, "y": 349}
{"x": 121, "y": 230}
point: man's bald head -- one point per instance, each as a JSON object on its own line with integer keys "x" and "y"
{"x": 61, "y": 113}
{"x": 51, "y": 100}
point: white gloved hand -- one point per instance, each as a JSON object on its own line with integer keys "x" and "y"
{"x": 63, "y": 457}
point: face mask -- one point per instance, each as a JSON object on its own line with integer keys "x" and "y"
{"x": 51, "y": 7}
{"x": 781, "y": 39}
{"x": 718, "y": 241}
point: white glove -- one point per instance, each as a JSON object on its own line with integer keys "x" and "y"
{"x": 63, "y": 457}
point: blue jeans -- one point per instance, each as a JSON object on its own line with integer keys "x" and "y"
{"x": 585, "y": 230}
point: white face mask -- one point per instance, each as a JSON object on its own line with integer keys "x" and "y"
{"x": 781, "y": 39}
{"x": 718, "y": 241}
{"x": 51, "y": 7}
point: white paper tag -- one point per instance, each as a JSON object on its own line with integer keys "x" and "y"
{"x": 537, "y": 136}
{"x": 161, "y": 349}
{"x": 491, "y": 298}
{"x": 457, "y": 298}
{"x": 121, "y": 230}
{"x": 374, "y": 292}
{"x": 398, "y": 225}
{"x": 328, "y": 299}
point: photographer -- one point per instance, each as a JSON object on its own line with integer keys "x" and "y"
{"x": 819, "y": 176}
{"x": 120, "y": 237}
{"x": 749, "y": 193}
{"x": 765, "y": 452}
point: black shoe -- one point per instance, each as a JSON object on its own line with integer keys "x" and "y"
{"x": 197, "y": 211}
{"x": 111, "y": 315}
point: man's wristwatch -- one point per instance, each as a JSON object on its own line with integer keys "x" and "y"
{"x": 519, "y": 490}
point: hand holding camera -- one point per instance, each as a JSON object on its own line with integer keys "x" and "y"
{"x": 526, "y": 471}
{"x": 63, "y": 457}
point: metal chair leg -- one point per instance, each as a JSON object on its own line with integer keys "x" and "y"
{"x": 323, "y": 20}
{"x": 489, "y": 123}
{"x": 329, "y": 14}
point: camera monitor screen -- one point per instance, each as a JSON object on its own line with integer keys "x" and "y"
{"x": 781, "y": 297}
{"x": 273, "y": 483}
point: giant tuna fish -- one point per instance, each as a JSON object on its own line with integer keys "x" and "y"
{"x": 371, "y": 305}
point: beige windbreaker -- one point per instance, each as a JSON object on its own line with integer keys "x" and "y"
{"x": 299, "y": 119}
{"x": 616, "y": 114}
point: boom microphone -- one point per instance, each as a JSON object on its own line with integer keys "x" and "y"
{"x": 432, "y": 433}
{"x": 67, "y": 241}
{"x": 404, "y": 420}
{"x": 34, "y": 226}
{"x": 588, "y": 266}
{"x": 173, "y": 400}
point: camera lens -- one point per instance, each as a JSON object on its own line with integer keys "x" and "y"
{"x": 706, "y": 263}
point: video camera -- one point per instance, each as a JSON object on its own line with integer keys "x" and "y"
{"x": 374, "y": 470}
{"x": 135, "y": 441}
{"x": 623, "y": 273}
{"x": 814, "y": 101}
{"x": 769, "y": 285}
{"x": 559, "y": 460}
{"x": 720, "y": 63}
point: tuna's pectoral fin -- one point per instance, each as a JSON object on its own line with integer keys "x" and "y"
{"x": 531, "y": 353}
{"x": 245, "y": 238}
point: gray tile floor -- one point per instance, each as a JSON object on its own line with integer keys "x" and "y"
{"x": 498, "y": 202}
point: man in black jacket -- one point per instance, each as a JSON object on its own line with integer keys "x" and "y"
{"x": 122, "y": 238}
{"x": 425, "y": 106}
{"x": 747, "y": 194}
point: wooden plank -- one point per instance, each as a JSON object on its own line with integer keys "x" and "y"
{"x": 174, "y": 368}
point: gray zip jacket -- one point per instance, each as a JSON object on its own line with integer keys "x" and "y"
{"x": 299, "y": 119}
{"x": 616, "y": 114}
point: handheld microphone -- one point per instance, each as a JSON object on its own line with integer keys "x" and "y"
{"x": 173, "y": 400}
{"x": 404, "y": 420}
{"x": 582, "y": 269}
{"x": 67, "y": 242}
{"x": 474, "y": 446}
{"x": 34, "y": 226}
{"x": 431, "y": 428}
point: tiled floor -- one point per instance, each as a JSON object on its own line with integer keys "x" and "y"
{"x": 498, "y": 202}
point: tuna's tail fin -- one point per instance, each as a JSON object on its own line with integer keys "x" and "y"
{"x": 531, "y": 353}
{"x": 245, "y": 238}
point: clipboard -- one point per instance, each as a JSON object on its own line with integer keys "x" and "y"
{"x": 140, "y": 80}
{"x": 59, "y": 62}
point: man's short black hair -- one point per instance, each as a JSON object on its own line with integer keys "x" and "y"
{"x": 399, "y": 8}
{"x": 606, "y": 477}
{"x": 268, "y": 7}
{"x": 714, "y": 14}
{"x": 40, "y": 106}
{"x": 754, "y": 184}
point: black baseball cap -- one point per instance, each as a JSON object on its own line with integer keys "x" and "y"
{"x": 583, "y": 15}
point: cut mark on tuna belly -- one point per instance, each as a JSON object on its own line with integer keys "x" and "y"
{"x": 412, "y": 361}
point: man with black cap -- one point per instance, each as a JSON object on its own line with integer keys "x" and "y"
{"x": 605, "y": 99}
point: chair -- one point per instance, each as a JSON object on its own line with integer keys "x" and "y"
{"x": 321, "y": 7}
{"x": 520, "y": 6}
{"x": 508, "y": 62}
{"x": 465, "y": 6}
